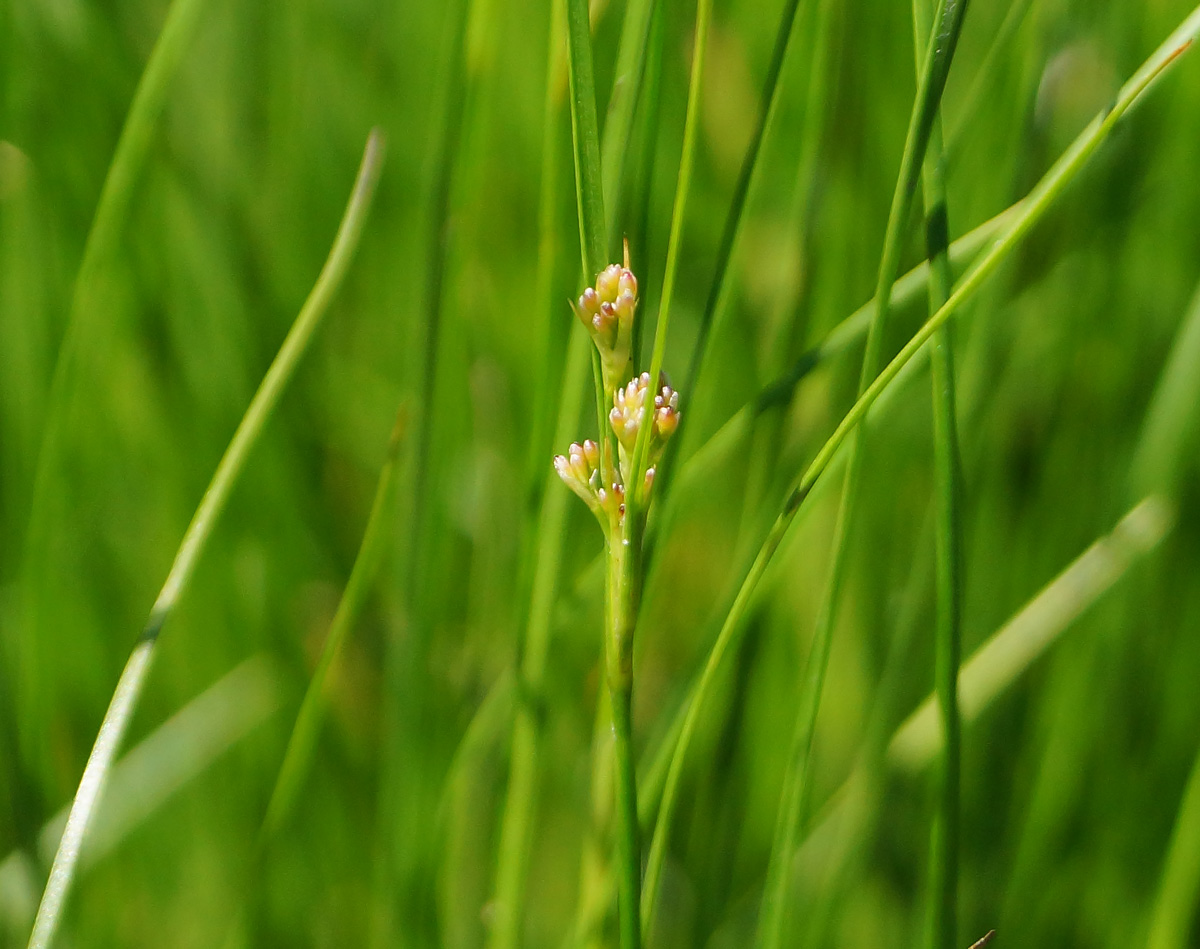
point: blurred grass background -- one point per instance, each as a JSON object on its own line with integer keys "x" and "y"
{"x": 1072, "y": 780}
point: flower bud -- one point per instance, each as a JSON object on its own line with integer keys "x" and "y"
{"x": 628, "y": 413}
{"x": 579, "y": 470}
{"x": 607, "y": 310}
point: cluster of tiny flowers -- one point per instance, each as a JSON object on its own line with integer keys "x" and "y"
{"x": 581, "y": 468}
{"x": 628, "y": 412}
{"x": 580, "y": 471}
{"x": 607, "y": 310}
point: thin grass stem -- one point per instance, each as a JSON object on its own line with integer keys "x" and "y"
{"x": 297, "y": 759}
{"x": 747, "y": 175}
{"x": 129, "y": 686}
{"x": 100, "y": 247}
{"x": 943, "y": 876}
{"x": 1175, "y": 904}
{"x": 994, "y": 667}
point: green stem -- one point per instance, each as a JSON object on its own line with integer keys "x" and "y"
{"x": 1175, "y": 905}
{"x": 625, "y": 577}
{"x": 943, "y": 876}
{"x": 585, "y": 134}
{"x": 303, "y": 741}
{"x": 133, "y": 677}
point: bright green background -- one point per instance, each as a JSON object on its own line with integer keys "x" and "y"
{"x": 1071, "y": 781}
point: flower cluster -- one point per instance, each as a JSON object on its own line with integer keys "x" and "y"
{"x": 590, "y": 469}
{"x": 607, "y": 310}
{"x": 628, "y": 413}
{"x": 593, "y": 478}
{"x": 580, "y": 471}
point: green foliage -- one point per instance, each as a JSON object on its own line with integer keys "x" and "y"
{"x": 178, "y": 253}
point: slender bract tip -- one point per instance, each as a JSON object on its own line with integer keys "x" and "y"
{"x": 985, "y": 940}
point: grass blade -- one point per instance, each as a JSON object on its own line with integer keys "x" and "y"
{"x": 1005, "y": 656}
{"x": 129, "y": 687}
{"x": 713, "y": 305}
{"x": 146, "y": 776}
{"x": 1170, "y": 426}
{"x": 302, "y": 743}
{"x": 112, "y": 210}
{"x": 1175, "y": 905}
{"x": 585, "y": 135}
{"x": 994, "y": 667}
{"x": 520, "y": 800}
{"x": 943, "y": 877}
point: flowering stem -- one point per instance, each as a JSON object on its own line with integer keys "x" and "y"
{"x": 624, "y": 559}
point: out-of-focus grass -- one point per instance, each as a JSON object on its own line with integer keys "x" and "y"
{"x": 1073, "y": 778}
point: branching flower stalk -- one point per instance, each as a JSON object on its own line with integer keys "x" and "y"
{"x": 605, "y": 475}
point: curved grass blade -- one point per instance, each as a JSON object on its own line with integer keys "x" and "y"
{"x": 129, "y": 686}
{"x": 100, "y": 246}
{"x": 302, "y": 743}
{"x": 1033, "y": 208}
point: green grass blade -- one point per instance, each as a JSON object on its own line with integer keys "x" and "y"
{"x": 521, "y": 797}
{"x": 297, "y": 759}
{"x": 713, "y": 305}
{"x": 619, "y": 120}
{"x": 986, "y": 73}
{"x": 149, "y": 774}
{"x": 943, "y": 877}
{"x": 129, "y": 687}
{"x": 112, "y": 210}
{"x": 585, "y": 134}
{"x": 691, "y": 128}
{"x": 1005, "y": 656}
{"x": 1170, "y": 428}
{"x": 1039, "y": 201}
{"x": 1179, "y": 890}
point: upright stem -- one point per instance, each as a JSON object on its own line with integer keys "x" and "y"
{"x": 624, "y": 558}
{"x": 943, "y": 876}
